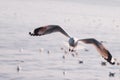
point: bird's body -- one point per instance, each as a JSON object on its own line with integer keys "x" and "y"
{"x": 73, "y": 42}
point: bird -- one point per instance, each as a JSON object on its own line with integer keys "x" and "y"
{"x": 73, "y": 42}
{"x": 103, "y": 63}
{"x": 80, "y": 62}
{"x": 18, "y": 68}
{"x": 111, "y": 74}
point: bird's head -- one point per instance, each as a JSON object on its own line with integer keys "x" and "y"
{"x": 72, "y": 41}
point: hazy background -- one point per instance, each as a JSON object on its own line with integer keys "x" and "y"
{"x": 98, "y": 19}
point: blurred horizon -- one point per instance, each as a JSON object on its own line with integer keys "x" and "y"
{"x": 41, "y": 58}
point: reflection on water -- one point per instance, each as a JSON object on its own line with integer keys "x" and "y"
{"x": 23, "y": 57}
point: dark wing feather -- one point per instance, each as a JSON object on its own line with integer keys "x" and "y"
{"x": 47, "y": 30}
{"x": 103, "y": 51}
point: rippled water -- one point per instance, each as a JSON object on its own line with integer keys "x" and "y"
{"x": 23, "y": 57}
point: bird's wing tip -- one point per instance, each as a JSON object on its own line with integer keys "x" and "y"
{"x": 32, "y": 34}
{"x": 113, "y": 60}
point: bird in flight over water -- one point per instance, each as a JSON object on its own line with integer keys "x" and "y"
{"x": 43, "y": 30}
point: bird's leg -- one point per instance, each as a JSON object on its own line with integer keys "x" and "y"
{"x": 71, "y": 49}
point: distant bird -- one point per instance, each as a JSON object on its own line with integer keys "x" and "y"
{"x": 63, "y": 57}
{"x": 118, "y": 63}
{"x": 103, "y": 63}
{"x": 73, "y": 42}
{"x": 80, "y": 62}
{"x": 41, "y": 49}
{"x": 111, "y": 74}
{"x": 18, "y": 68}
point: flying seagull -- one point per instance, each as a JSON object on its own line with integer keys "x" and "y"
{"x": 43, "y": 30}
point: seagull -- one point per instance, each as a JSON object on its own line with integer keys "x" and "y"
{"x": 73, "y": 42}
{"x": 111, "y": 74}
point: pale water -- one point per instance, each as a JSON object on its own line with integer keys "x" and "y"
{"x": 23, "y": 57}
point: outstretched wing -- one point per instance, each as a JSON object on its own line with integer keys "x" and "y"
{"x": 47, "y": 30}
{"x": 103, "y": 51}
